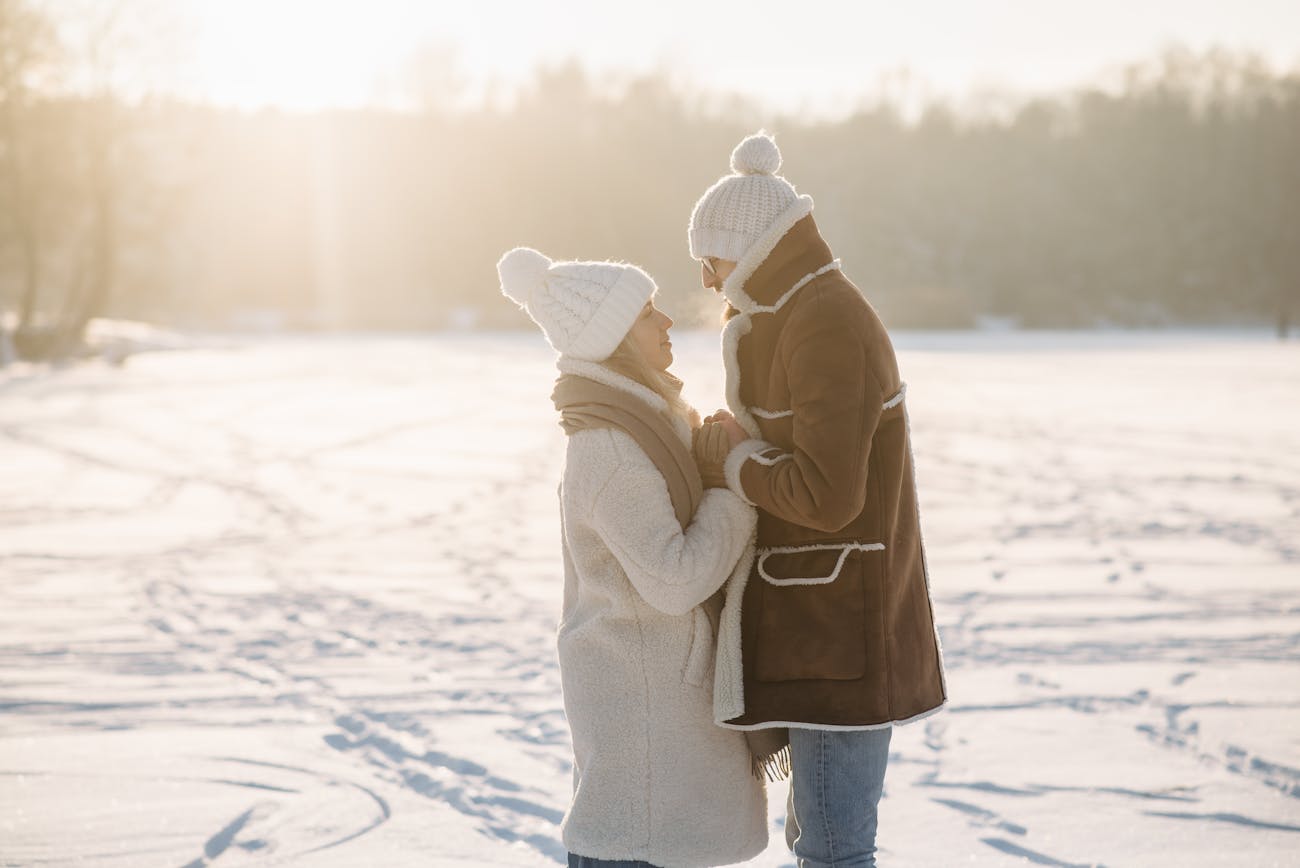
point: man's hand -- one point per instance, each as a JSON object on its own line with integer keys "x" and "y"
{"x": 735, "y": 434}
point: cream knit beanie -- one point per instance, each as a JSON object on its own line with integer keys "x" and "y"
{"x": 750, "y": 205}
{"x": 585, "y": 309}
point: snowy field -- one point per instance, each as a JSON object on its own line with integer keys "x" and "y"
{"x": 292, "y": 601}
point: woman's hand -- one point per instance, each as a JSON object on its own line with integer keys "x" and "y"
{"x": 735, "y": 434}
{"x": 712, "y": 443}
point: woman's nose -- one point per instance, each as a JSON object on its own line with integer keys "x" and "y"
{"x": 667, "y": 322}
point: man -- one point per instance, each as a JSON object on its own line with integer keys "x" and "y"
{"x": 837, "y": 632}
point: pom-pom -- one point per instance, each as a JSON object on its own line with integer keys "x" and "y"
{"x": 522, "y": 272}
{"x": 756, "y": 155}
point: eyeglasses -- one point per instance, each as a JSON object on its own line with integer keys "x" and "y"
{"x": 708, "y": 266}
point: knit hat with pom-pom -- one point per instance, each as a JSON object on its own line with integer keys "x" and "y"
{"x": 585, "y": 309}
{"x": 749, "y": 210}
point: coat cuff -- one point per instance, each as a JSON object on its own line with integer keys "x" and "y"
{"x": 736, "y": 459}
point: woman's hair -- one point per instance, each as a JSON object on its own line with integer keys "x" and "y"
{"x": 628, "y": 361}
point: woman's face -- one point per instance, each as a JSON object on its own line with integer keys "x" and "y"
{"x": 650, "y": 336}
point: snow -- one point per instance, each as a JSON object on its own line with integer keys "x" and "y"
{"x": 292, "y": 601}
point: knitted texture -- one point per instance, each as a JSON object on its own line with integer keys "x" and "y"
{"x": 585, "y": 309}
{"x": 742, "y": 206}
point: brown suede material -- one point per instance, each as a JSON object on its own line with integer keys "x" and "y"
{"x": 861, "y": 649}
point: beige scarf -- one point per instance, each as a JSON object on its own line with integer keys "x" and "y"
{"x": 586, "y": 404}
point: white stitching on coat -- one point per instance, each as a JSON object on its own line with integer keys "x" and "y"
{"x": 833, "y": 265}
{"x": 845, "y": 548}
{"x": 782, "y": 414}
{"x": 770, "y": 414}
{"x": 768, "y": 462}
{"x": 897, "y": 399}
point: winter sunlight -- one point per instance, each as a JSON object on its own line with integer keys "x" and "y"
{"x": 258, "y": 604}
{"x": 518, "y": 434}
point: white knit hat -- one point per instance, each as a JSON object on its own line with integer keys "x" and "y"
{"x": 585, "y": 309}
{"x": 750, "y": 206}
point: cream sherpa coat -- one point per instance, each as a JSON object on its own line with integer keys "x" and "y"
{"x": 654, "y": 778}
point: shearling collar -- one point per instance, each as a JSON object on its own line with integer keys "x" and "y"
{"x": 794, "y": 259}
{"x": 795, "y": 253}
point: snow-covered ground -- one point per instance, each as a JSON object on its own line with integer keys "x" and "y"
{"x": 291, "y": 601}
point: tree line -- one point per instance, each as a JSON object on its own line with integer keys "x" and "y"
{"x": 1171, "y": 196}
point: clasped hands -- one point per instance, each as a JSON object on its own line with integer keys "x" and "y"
{"x": 717, "y": 435}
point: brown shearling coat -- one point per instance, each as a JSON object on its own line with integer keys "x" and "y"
{"x": 837, "y": 627}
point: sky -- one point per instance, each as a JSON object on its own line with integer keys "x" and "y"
{"x": 798, "y": 55}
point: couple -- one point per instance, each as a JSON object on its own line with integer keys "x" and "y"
{"x": 744, "y": 595}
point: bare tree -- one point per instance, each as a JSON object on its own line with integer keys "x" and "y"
{"x": 28, "y": 53}
{"x": 115, "y": 53}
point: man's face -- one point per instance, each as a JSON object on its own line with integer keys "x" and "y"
{"x": 714, "y": 271}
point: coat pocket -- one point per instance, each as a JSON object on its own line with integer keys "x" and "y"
{"x": 818, "y": 605}
{"x": 811, "y": 559}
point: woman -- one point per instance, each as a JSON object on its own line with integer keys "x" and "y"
{"x": 647, "y": 543}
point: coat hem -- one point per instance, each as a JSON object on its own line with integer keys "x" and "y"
{"x": 837, "y": 727}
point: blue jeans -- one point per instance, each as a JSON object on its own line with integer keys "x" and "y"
{"x": 576, "y": 861}
{"x": 836, "y": 779}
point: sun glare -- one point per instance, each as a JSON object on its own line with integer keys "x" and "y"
{"x": 293, "y": 54}
{"x": 300, "y": 54}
